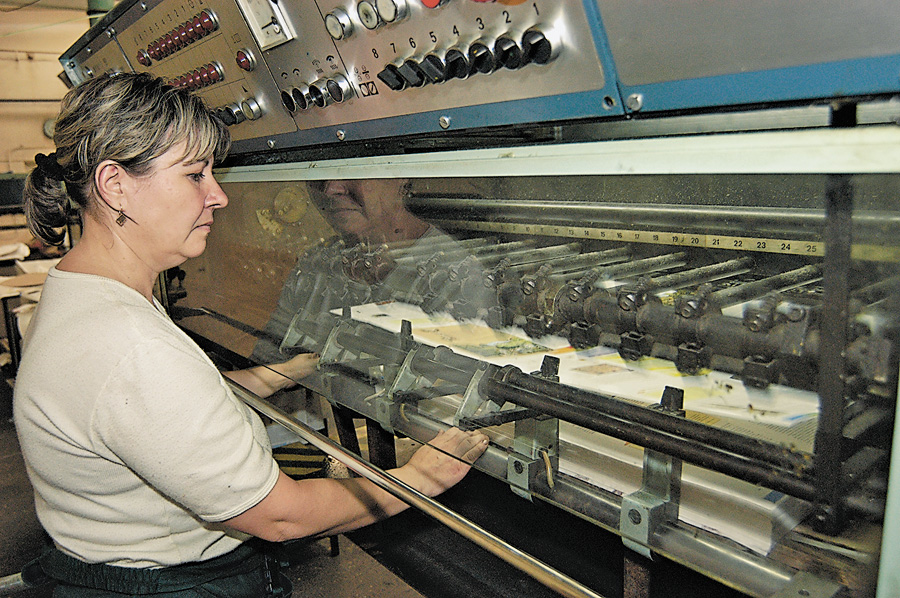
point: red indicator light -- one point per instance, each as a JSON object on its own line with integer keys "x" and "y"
{"x": 245, "y": 60}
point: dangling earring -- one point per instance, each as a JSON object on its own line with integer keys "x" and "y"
{"x": 120, "y": 220}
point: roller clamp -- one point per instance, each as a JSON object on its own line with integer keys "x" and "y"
{"x": 656, "y": 503}
{"x": 535, "y": 448}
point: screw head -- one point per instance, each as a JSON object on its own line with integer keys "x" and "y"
{"x": 635, "y": 102}
{"x": 444, "y": 122}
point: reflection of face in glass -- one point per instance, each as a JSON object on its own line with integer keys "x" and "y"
{"x": 369, "y": 210}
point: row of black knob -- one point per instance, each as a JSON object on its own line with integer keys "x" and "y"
{"x": 481, "y": 57}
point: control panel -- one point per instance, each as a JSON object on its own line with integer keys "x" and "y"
{"x": 205, "y": 46}
{"x": 294, "y": 72}
{"x": 429, "y": 65}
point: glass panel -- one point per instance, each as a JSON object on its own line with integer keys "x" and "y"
{"x": 550, "y": 311}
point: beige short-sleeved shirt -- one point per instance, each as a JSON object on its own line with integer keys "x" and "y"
{"x": 133, "y": 442}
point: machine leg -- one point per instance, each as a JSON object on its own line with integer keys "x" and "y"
{"x": 343, "y": 421}
{"x": 637, "y": 574}
{"x": 381, "y": 446}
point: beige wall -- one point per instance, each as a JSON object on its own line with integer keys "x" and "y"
{"x": 31, "y": 40}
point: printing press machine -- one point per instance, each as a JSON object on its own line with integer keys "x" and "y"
{"x": 660, "y": 270}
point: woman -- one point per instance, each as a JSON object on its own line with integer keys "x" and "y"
{"x": 149, "y": 474}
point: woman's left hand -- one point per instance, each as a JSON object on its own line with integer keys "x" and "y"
{"x": 444, "y": 461}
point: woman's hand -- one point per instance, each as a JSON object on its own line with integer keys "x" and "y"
{"x": 444, "y": 461}
{"x": 299, "y": 366}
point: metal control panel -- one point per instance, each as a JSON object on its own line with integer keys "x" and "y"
{"x": 198, "y": 45}
{"x": 297, "y": 73}
{"x": 424, "y": 65}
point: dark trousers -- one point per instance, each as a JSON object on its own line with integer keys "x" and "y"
{"x": 249, "y": 571}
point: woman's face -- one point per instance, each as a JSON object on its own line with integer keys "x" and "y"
{"x": 172, "y": 210}
{"x": 360, "y": 207}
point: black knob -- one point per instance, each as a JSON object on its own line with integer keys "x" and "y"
{"x": 457, "y": 64}
{"x": 339, "y": 88}
{"x": 301, "y": 99}
{"x": 226, "y": 116}
{"x": 391, "y": 77}
{"x": 536, "y": 47}
{"x": 508, "y": 53}
{"x": 318, "y": 95}
{"x": 433, "y": 68}
{"x": 481, "y": 59}
{"x": 411, "y": 73}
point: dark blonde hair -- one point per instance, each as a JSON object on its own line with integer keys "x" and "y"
{"x": 132, "y": 119}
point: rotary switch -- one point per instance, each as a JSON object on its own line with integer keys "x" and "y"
{"x": 411, "y": 73}
{"x": 539, "y": 47}
{"x": 391, "y": 77}
{"x": 433, "y": 68}
{"x": 481, "y": 58}
{"x": 457, "y": 64}
{"x": 508, "y": 53}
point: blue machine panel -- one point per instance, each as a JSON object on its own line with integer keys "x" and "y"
{"x": 685, "y": 55}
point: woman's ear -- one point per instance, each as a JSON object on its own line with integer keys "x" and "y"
{"x": 110, "y": 179}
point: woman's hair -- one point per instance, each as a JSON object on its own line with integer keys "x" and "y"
{"x": 131, "y": 119}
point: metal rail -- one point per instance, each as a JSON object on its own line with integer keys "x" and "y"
{"x": 526, "y": 563}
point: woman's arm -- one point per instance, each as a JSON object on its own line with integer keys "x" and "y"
{"x": 322, "y": 507}
{"x": 266, "y": 380}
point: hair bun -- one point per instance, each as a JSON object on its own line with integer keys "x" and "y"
{"x": 50, "y": 167}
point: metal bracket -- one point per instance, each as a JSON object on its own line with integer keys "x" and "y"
{"x": 387, "y": 407}
{"x": 657, "y": 501}
{"x": 535, "y": 450}
{"x": 473, "y": 402}
{"x": 332, "y": 351}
